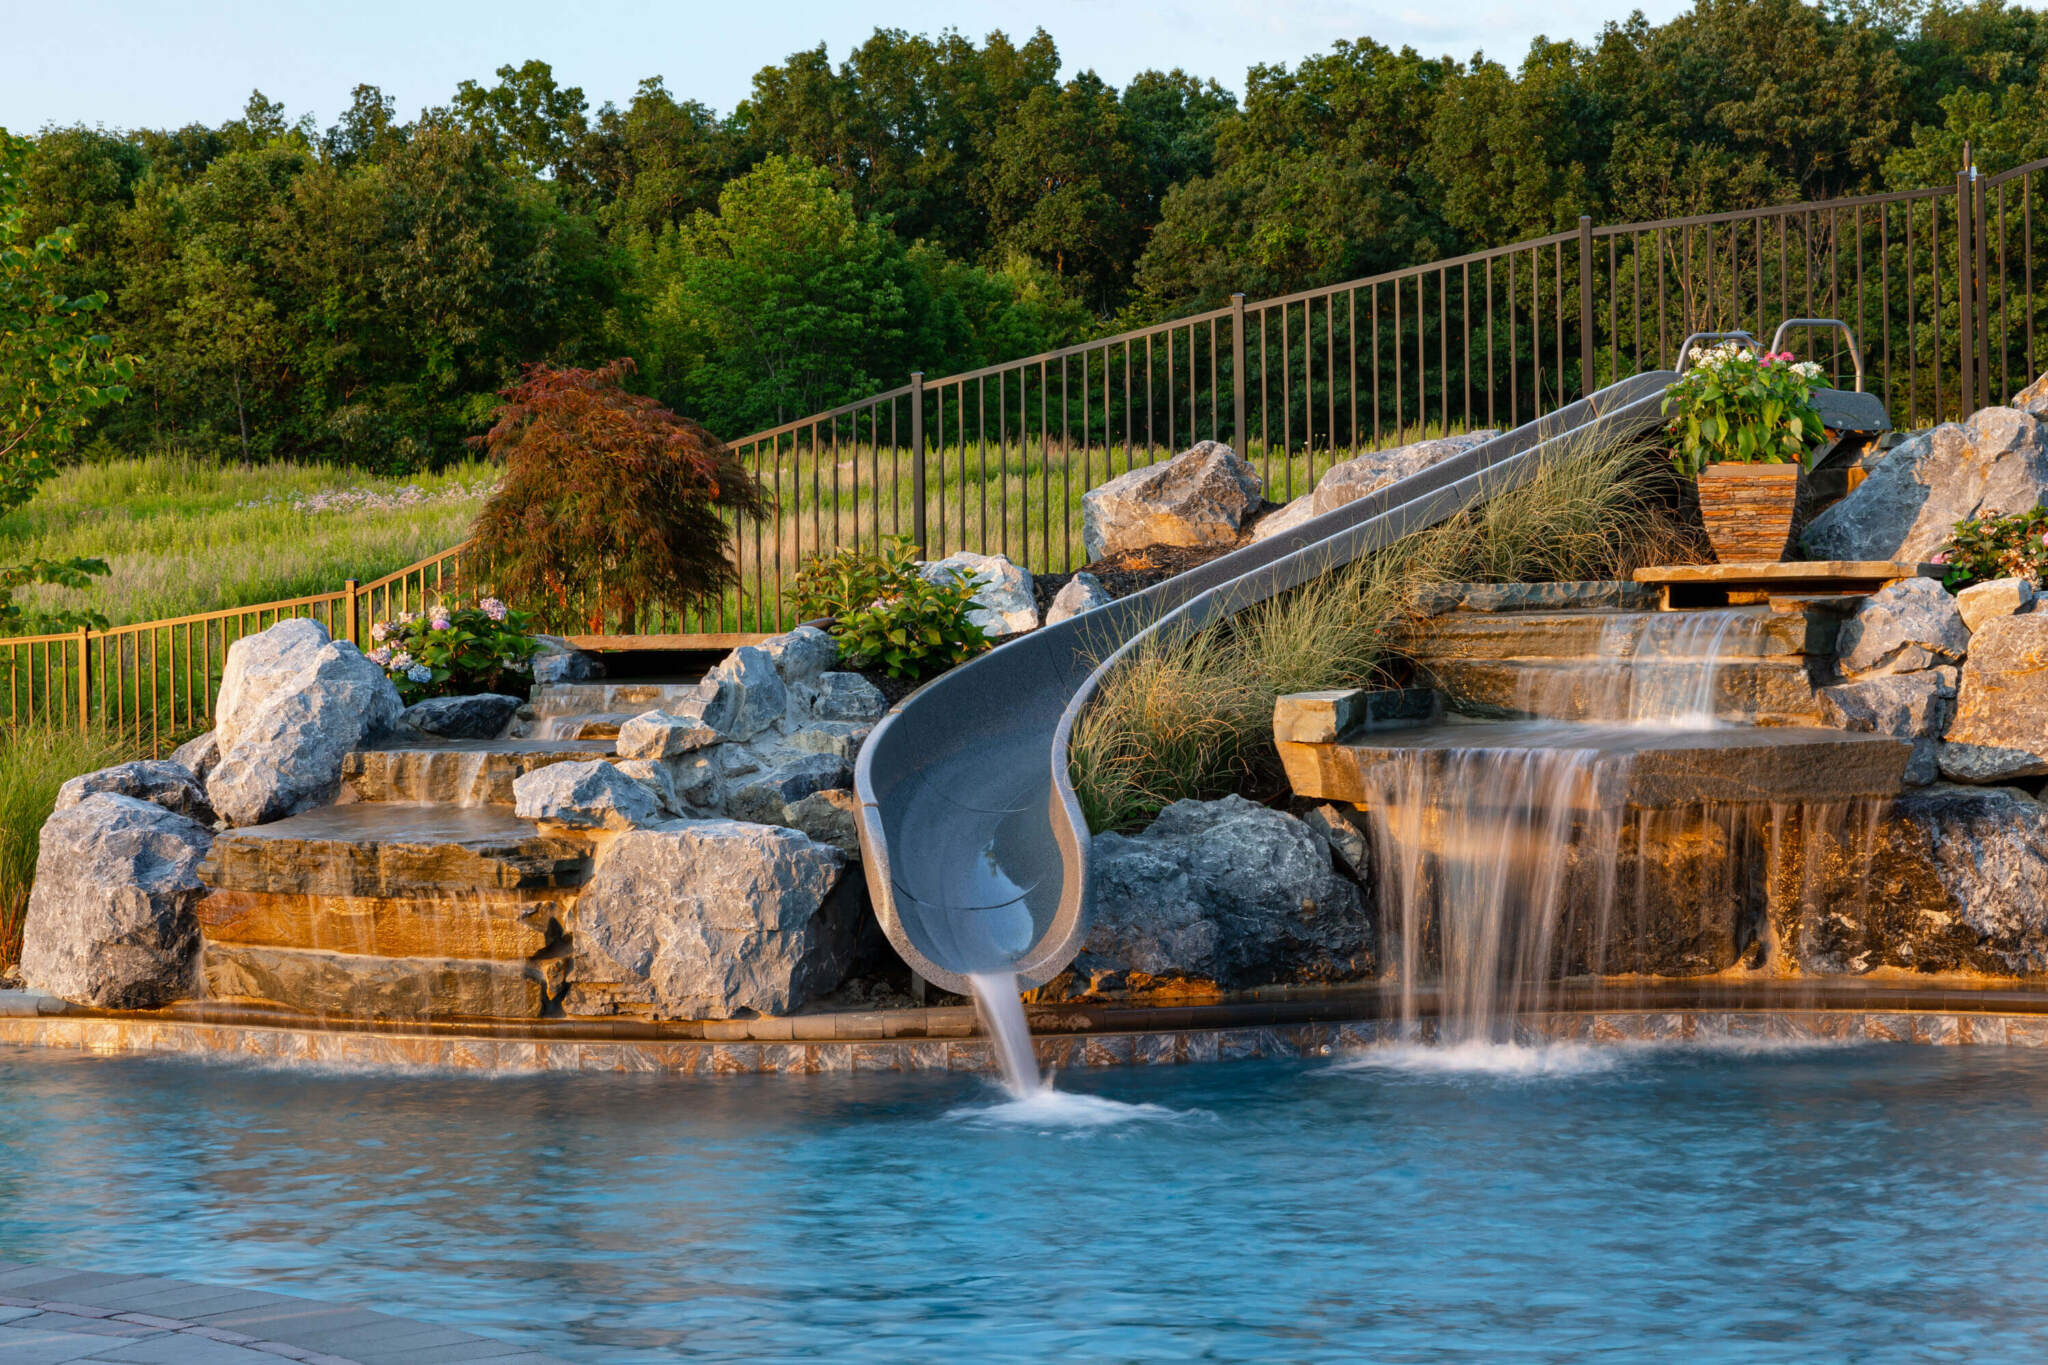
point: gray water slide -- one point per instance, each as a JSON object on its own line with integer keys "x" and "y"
{"x": 975, "y": 846}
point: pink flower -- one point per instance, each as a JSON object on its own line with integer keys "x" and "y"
{"x": 1938, "y": 557}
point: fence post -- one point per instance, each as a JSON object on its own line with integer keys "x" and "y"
{"x": 1237, "y": 374}
{"x": 1586, "y": 384}
{"x": 1980, "y": 288}
{"x": 1966, "y": 310}
{"x": 917, "y": 459}
{"x": 84, "y": 679}
{"x": 348, "y": 610}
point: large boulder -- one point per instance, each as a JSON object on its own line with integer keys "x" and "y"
{"x": 765, "y": 795}
{"x": 584, "y": 795}
{"x": 709, "y": 919}
{"x": 846, "y": 699}
{"x": 2033, "y": 398}
{"x": 657, "y": 734}
{"x": 483, "y": 716}
{"x": 111, "y": 918}
{"x": 1199, "y": 497}
{"x": 260, "y": 666}
{"x": 1995, "y": 462}
{"x": 160, "y": 782}
{"x": 1981, "y": 602}
{"x": 1081, "y": 593}
{"x": 1953, "y": 879}
{"x": 1284, "y": 519}
{"x": 561, "y": 662}
{"x": 1915, "y": 706}
{"x": 1911, "y": 625}
{"x": 285, "y": 755}
{"x": 748, "y": 682}
{"x": 1004, "y": 603}
{"x": 199, "y": 756}
{"x": 1228, "y": 892}
{"x": 1369, "y": 473}
{"x": 801, "y": 657}
{"x": 2001, "y": 725}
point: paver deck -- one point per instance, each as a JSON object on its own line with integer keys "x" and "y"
{"x": 49, "y": 1315}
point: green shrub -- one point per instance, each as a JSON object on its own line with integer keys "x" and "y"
{"x": 1984, "y": 548}
{"x": 457, "y": 651}
{"x": 887, "y": 614}
{"x": 34, "y": 763}
{"x": 1735, "y": 404}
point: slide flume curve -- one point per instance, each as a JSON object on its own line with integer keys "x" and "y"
{"x": 974, "y": 844}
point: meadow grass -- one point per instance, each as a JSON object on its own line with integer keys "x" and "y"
{"x": 1190, "y": 715}
{"x": 34, "y": 763}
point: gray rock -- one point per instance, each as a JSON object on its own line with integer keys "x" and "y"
{"x": 764, "y": 796}
{"x": 1376, "y": 469}
{"x": 1955, "y": 879}
{"x": 1003, "y": 598}
{"x": 287, "y": 756}
{"x": 111, "y": 918}
{"x": 2001, "y": 726}
{"x": 848, "y": 697}
{"x": 2033, "y": 398}
{"x": 1082, "y": 593}
{"x": 561, "y": 662}
{"x": 1995, "y": 462}
{"x": 711, "y": 705}
{"x": 657, "y": 778}
{"x": 831, "y": 817}
{"x": 483, "y": 716}
{"x": 1225, "y": 891}
{"x": 839, "y": 738}
{"x": 258, "y": 667}
{"x": 758, "y": 696}
{"x": 1980, "y": 602}
{"x": 1346, "y": 840}
{"x": 801, "y": 655}
{"x": 1199, "y": 497}
{"x": 1912, "y": 624}
{"x": 709, "y": 919}
{"x": 1279, "y": 523}
{"x": 1915, "y": 706}
{"x": 169, "y": 784}
{"x": 199, "y": 756}
{"x": 585, "y": 795}
{"x": 657, "y": 734}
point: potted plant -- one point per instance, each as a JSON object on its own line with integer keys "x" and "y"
{"x": 1743, "y": 423}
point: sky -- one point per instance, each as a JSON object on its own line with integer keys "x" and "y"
{"x": 164, "y": 63}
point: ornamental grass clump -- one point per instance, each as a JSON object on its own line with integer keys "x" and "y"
{"x": 448, "y": 651}
{"x": 1738, "y": 405}
{"x": 610, "y": 503}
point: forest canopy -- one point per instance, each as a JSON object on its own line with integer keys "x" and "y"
{"x": 362, "y": 290}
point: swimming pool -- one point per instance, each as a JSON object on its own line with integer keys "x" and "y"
{"x": 1720, "y": 1204}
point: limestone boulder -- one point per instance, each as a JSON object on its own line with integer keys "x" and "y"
{"x": 2001, "y": 725}
{"x": 287, "y": 756}
{"x": 747, "y": 682}
{"x": 847, "y": 699}
{"x": 260, "y": 666}
{"x": 1200, "y": 497}
{"x": 1346, "y": 840}
{"x": 658, "y": 734}
{"x": 765, "y": 795}
{"x": 659, "y": 780}
{"x": 801, "y": 656}
{"x": 1368, "y": 473}
{"x": 1981, "y": 602}
{"x": 1911, "y": 625}
{"x": 1279, "y": 523}
{"x": 483, "y": 716}
{"x": 1228, "y": 892}
{"x": 1080, "y": 594}
{"x": 2033, "y": 398}
{"x": 160, "y": 782}
{"x": 710, "y": 919}
{"x": 840, "y": 738}
{"x": 584, "y": 795}
{"x": 199, "y": 756}
{"x": 831, "y": 817}
{"x": 112, "y": 916}
{"x": 1995, "y": 462}
{"x": 1003, "y": 600}
{"x": 1952, "y": 879}
{"x": 561, "y": 662}
{"x": 1916, "y": 706}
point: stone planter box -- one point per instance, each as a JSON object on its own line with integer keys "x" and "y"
{"x": 1751, "y": 511}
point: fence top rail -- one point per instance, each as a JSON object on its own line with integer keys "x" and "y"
{"x": 318, "y": 599}
{"x": 12, "y": 643}
{"x": 1994, "y": 181}
{"x": 1407, "y": 272}
{"x": 429, "y": 562}
{"x": 1078, "y": 348}
{"x": 772, "y": 433}
{"x": 1777, "y": 211}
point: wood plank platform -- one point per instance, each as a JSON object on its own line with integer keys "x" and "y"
{"x": 619, "y": 644}
{"x": 1742, "y": 584}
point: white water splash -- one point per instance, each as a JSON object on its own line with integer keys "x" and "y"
{"x": 1001, "y": 1008}
{"x": 1048, "y": 1108}
{"x": 1505, "y": 1061}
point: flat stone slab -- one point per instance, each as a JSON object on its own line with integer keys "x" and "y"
{"x": 1695, "y": 585}
{"x": 1662, "y": 767}
{"x": 503, "y": 926}
{"x": 460, "y": 772}
{"x": 380, "y": 849}
{"x": 1758, "y": 691}
{"x": 1755, "y": 632}
{"x": 48, "y": 1313}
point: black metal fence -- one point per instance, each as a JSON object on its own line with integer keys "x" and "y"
{"x": 1939, "y": 285}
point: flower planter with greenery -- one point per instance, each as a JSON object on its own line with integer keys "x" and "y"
{"x": 1743, "y": 424}
{"x": 456, "y": 651}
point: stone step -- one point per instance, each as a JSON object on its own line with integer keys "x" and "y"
{"x": 1741, "y": 633}
{"x": 499, "y": 926}
{"x": 372, "y": 987}
{"x": 1756, "y": 691}
{"x": 588, "y": 725}
{"x": 457, "y": 772}
{"x": 607, "y": 698}
{"x": 391, "y": 851}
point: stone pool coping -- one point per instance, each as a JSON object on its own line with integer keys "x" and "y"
{"x": 1293, "y": 1024}
{"x": 52, "y": 1313}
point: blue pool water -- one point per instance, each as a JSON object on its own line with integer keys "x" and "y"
{"x": 1825, "y": 1204}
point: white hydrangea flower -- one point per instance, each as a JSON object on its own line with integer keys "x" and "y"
{"x": 401, "y": 660}
{"x": 380, "y": 631}
{"x": 1807, "y": 368}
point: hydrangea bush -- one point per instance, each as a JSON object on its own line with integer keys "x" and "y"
{"x": 1736, "y": 404}
{"x": 452, "y": 651}
{"x": 1983, "y": 548}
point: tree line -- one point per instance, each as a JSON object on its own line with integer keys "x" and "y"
{"x": 361, "y": 291}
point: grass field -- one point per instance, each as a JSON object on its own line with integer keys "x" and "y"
{"x": 184, "y": 535}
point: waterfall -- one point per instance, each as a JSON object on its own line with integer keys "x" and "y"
{"x": 1002, "y": 1013}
